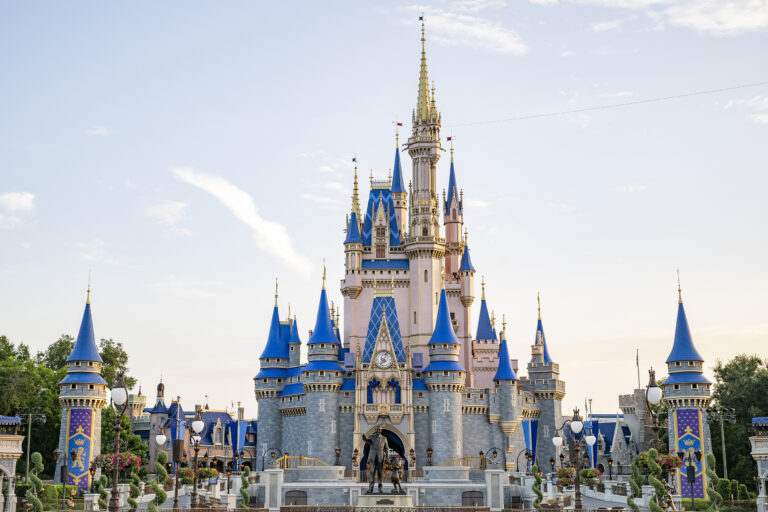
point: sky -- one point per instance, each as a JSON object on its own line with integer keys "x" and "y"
{"x": 186, "y": 154}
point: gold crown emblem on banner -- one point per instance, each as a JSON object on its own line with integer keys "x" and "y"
{"x": 688, "y": 442}
{"x": 79, "y": 442}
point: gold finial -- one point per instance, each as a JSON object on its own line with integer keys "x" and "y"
{"x": 397, "y": 133}
{"x": 289, "y": 311}
{"x": 493, "y": 319}
{"x": 333, "y": 311}
{"x": 450, "y": 139}
{"x": 323, "y": 273}
{"x": 482, "y": 283}
{"x": 88, "y": 294}
{"x": 275, "y": 292}
{"x": 371, "y": 178}
{"x": 423, "y": 106}
{"x": 442, "y": 278}
{"x": 538, "y": 301}
{"x": 355, "y": 193}
{"x": 504, "y": 324}
{"x": 679, "y": 290}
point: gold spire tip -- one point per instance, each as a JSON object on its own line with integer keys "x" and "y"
{"x": 275, "y": 292}
{"x": 679, "y": 290}
{"x": 88, "y": 293}
{"x": 538, "y": 301}
{"x": 482, "y": 284}
{"x": 323, "y": 273}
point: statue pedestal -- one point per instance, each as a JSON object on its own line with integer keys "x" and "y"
{"x": 385, "y": 500}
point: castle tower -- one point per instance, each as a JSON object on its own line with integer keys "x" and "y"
{"x": 294, "y": 345}
{"x": 444, "y": 377}
{"x": 424, "y": 246}
{"x": 467, "y": 295}
{"x": 158, "y": 415}
{"x": 399, "y": 194}
{"x": 82, "y": 396}
{"x": 352, "y": 284}
{"x": 453, "y": 219}
{"x": 322, "y": 378}
{"x": 505, "y": 381}
{"x": 268, "y": 384}
{"x": 548, "y": 391}
{"x": 686, "y": 394}
{"x": 485, "y": 347}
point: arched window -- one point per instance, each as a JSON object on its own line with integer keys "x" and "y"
{"x": 426, "y": 276}
{"x": 472, "y": 499}
{"x": 296, "y": 498}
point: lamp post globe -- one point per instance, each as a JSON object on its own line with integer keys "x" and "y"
{"x": 160, "y": 439}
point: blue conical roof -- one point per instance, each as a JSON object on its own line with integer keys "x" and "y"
{"x": 353, "y": 232}
{"x": 443, "y": 332}
{"x": 275, "y": 344}
{"x": 545, "y": 350}
{"x": 85, "y": 346}
{"x": 466, "y": 261}
{"x": 452, "y": 190}
{"x": 323, "y": 332}
{"x": 484, "y": 328}
{"x": 295, "y": 333}
{"x": 398, "y": 186}
{"x": 505, "y": 371}
{"x": 683, "y": 349}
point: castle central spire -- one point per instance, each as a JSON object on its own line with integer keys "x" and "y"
{"x": 423, "y": 106}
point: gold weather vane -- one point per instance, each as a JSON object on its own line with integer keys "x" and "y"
{"x": 449, "y": 139}
{"x": 275, "y": 292}
{"x": 323, "y": 273}
{"x": 504, "y": 325}
{"x": 493, "y": 319}
{"x": 482, "y": 284}
{"x": 88, "y": 294}
{"x": 679, "y": 290}
{"x": 397, "y": 124}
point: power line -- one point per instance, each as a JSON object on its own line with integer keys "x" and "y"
{"x": 612, "y": 105}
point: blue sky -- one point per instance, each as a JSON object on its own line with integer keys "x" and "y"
{"x": 187, "y": 153}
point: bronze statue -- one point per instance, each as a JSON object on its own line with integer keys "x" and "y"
{"x": 378, "y": 449}
{"x": 397, "y": 474}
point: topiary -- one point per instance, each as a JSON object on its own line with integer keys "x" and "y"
{"x": 635, "y": 481}
{"x": 537, "y": 488}
{"x": 133, "y": 484}
{"x": 714, "y": 497}
{"x": 157, "y": 484}
{"x": 734, "y": 490}
{"x": 37, "y": 467}
{"x": 244, "y": 487}
{"x": 101, "y": 485}
{"x": 743, "y": 492}
{"x": 723, "y": 488}
{"x": 658, "y": 501}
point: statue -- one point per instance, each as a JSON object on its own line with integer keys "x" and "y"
{"x": 378, "y": 449}
{"x": 397, "y": 474}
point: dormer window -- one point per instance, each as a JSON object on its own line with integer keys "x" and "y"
{"x": 691, "y": 363}
{"x": 77, "y": 363}
{"x": 678, "y": 363}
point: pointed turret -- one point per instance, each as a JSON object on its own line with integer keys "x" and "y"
{"x": 683, "y": 348}
{"x": 443, "y": 332}
{"x": 505, "y": 371}
{"x": 398, "y": 185}
{"x": 85, "y": 346}
{"x": 294, "y": 344}
{"x": 399, "y": 195}
{"x": 540, "y": 343}
{"x": 466, "y": 261}
{"x": 484, "y": 326}
{"x": 453, "y": 190}
{"x": 353, "y": 231}
{"x": 275, "y": 348}
{"x": 323, "y": 332}
{"x": 423, "y": 103}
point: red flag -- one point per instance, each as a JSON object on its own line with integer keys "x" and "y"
{"x": 399, "y": 124}
{"x": 450, "y": 138}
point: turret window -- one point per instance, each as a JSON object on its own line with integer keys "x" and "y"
{"x": 690, "y": 363}
{"x": 694, "y": 386}
{"x": 77, "y": 363}
{"x": 678, "y": 363}
{"x": 426, "y": 276}
{"x": 73, "y": 386}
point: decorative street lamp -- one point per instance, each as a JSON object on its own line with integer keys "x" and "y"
{"x": 494, "y": 452}
{"x": 338, "y": 454}
{"x": 92, "y": 471}
{"x": 576, "y": 426}
{"x": 672, "y": 472}
{"x": 517, "y": 459}
{"x": 690, "y": 467}
{"x": 64, "y": 472}
{"x": 610, "y": 469}
{"x": 429, "y": 456}
{"x": 272, "y": 454}
{"x": 197, "y": 427}
{"x": 653, "y": 396}
{"x": 119, "y": 398}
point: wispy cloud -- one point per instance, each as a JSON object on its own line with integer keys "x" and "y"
{"x": 544, "y": 2}
{"x": 96, "y": 250}
{"x": 98, "y": 131}
{"x": 272, "y": 237}
{"x": 709, "y": 16}
{"x": 619, "y": 94}
{"x": 757, "y": 105}
{"x": 632, "y": 189}
{"x": 455, "y": 27}
{"x": 185, "y": 287}
{"x": 476, "y": 5}
{"x": 560, "y": 208}
{"x": 329, "y": 164}
{"x": 17, "y": 201}
{"x": 476, "y": 204}
{"x": 326, "y": 202}
{"x": 607, "y": 25}
{"x": 169, "y": 214}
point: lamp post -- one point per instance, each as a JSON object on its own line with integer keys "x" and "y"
{"x": 272, "y": 453}
{"x": 610, "y": 469}
{"x": 337, "y": 451}
{"x": 690, "y": 460}
{"x": 721, "y": 415}
{"x": 429, "y": 456}
{"x": 92, "y": 471}
{"x": 34, "y": 414}
{"x": 653, "y": 395}
{"x": 576, "y": 426}
{"x": 672, "y": 472}
{"x": 197, "y": 427}
{"x": 119, "y": 398}
{"x": 64, "y": 472}
{"x": 517, "y": 459}
{"x": 494, "y": 453}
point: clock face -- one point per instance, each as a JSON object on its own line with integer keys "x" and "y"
{"x": 383, "y": 359}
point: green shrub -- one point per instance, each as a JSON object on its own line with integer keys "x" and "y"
{"x": 723, "y": 488}
{"x": 21, "y": 489}
{"x": 701, "y": 504}
{"x": 734, "y": 491}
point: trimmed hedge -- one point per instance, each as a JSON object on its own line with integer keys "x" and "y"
{"x": 701, "y": 504}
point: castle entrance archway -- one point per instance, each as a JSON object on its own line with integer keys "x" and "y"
{"x": 395, "y": 444}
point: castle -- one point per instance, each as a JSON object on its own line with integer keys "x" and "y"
{"x": 407, "y": 358}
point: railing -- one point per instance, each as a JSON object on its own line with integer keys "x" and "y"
{"x": 361, "y": 476}
{"x": 349, "y": 508}
{"x": 619, "y": 489}
{"x": 473, "y": 462}
{"x": 297, "y": 461}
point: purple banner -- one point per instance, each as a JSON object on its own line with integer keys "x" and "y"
{"x": 688, "y": 439}
{"x": 79, "y": 440}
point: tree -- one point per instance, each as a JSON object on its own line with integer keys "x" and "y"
{"x": 6, "y": 348}
{"x": 55, "y": 356}
{"x": 740, "y": 384}
{"x": 129, "y": 442}
{"x": 115, "y": 359}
